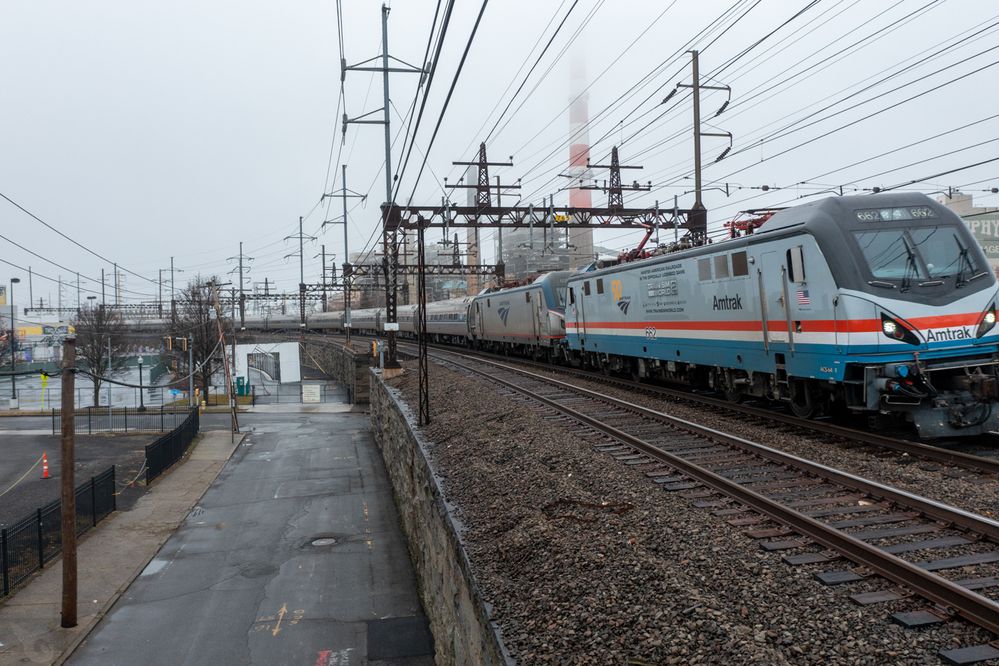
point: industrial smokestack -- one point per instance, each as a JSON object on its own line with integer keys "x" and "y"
{"x": 579, "y": 155}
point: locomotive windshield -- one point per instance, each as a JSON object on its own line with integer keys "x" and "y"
{"x": 923, "y": 256}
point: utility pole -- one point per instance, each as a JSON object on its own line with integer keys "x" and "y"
{"x": 59, "y": 295}
{"x": 345, "y": 194}
{"x": 217, "y": 301}
{"x": 697, "y": 221}
{"x": 390, "y": 239}
{"x": 159, "y": 299}
{"x": 67, "y": 484}
{"x": 499, "y": 234}
{"x": 173, "y": 300}
{"x": 190, "y": 370}
{"x": 103, "y": 300}
{"x": 301, "y": 270}
{"x": 242, "y": 295}
{"x": 31, "y": 290}
{"x": 322, "y": 279}
{"x": 116, "y": 294}
{"x": 78, "y": 293}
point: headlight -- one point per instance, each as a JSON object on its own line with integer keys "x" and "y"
{"x": 897, "y": 331}
{"x": 988, "y": 321}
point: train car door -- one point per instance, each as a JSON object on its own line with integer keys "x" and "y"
{"x": 578, "y": 291}
{"x": 774, "y": 309}
{"x": 475, "y": 320}
{"x": 542, "y": 321}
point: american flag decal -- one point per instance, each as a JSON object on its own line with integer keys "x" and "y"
{"x": 803, "y": 297}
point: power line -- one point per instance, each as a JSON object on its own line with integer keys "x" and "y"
{"x": 74, "y": 242}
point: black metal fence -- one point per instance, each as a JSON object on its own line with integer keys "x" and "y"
{"x": 171, "y": 447}
{"x": 122, "y": 419}
{"x": 30, "y": 543}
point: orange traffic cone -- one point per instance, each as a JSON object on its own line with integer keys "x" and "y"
{"x": 45, "y": 465}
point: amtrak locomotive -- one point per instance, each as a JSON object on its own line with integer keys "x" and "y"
{"x": 880, "y": 305}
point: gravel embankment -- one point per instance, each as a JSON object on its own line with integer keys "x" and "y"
{"x": 952, "y": 485}
{"x": 644, "y": 578}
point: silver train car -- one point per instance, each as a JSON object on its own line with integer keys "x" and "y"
{"x": 529, "y": 319}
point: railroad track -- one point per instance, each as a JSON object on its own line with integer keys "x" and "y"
{"x": 825, "y": 429}
{"x": 815, "y": 515}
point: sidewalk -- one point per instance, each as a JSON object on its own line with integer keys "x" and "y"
{"x": 109, "y": 557}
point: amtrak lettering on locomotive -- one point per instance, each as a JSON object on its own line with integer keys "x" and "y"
{"x": 878, "y": 304}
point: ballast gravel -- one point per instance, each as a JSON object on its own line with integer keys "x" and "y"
{"x": 586, "y": 561}
{"x": 965, "y": 489}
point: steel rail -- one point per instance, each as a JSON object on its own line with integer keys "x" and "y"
{"x": 925, "y": 451}
{"x": 974, "y": 607}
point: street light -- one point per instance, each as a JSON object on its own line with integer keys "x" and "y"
{"x": 142, "y": 404}
{"x": 13, "y": 342}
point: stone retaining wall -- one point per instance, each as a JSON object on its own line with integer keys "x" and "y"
{"x": 459, "y": 618}
{"x": 348, "y": 365}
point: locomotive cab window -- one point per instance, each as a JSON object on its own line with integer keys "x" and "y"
{"x": 721, "y": 266}
{"x": 572, "y": 296}
{"x": 740, "y": 265}
{"x": 704, "y": 269}
{"x": 795, "y": 264}
{"x": 586, "y": 288}
{"x": 527, "y": 296}
{"x": 600, "y": 285}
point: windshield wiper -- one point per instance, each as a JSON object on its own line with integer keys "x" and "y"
{"x": 910, "y": 265}
{"x": 964, "y": 261}
{"x": 930, "y": 283}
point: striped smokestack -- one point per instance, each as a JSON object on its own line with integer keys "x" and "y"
{"x": 579, "y": 154}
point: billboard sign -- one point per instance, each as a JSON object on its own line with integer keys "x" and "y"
{"x": 985, "y": 229}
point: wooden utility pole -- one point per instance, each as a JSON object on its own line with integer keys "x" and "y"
{"x": 66, "y": 469}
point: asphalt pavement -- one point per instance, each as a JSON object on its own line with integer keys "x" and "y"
{"x": 22, "y": 488}
{"x": 293, "y": 556}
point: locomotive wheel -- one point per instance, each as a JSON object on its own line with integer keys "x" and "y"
{"x": 803, "y": 404}
{"x": 734, "y": 395}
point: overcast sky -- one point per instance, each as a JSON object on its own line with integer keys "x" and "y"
{"x": 145, "y": 130}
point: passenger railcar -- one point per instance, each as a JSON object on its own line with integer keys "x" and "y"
{"x": 880, "y": 304}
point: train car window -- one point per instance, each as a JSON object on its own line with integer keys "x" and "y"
{"x": 586, "y": 288}
{"x": 600, "y": 285}
{"x": 721, "y": 266}
{"x": 740, "y": 265}
{"x": 795, "y": 264}
{"x": 704, "y": 269}
{"x": 489, "y": 303}
{"x": 527, "y": 296}
{"x": 572, "y": 296}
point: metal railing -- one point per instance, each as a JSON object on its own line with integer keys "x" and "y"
{"x": 33, "y": 541}
{"x": 172, "y": 446}
{"x": 122, "y": 419}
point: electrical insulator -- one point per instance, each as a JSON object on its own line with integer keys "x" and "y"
{"x": 168, "y": 342}
{"x": 183, "y": 344}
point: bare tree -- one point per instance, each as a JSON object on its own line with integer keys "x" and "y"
{"x": 194, "y": 318}
{"x": 96, "y": 329}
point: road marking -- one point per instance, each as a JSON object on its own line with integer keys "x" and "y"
{"x": 281, "y": 613}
